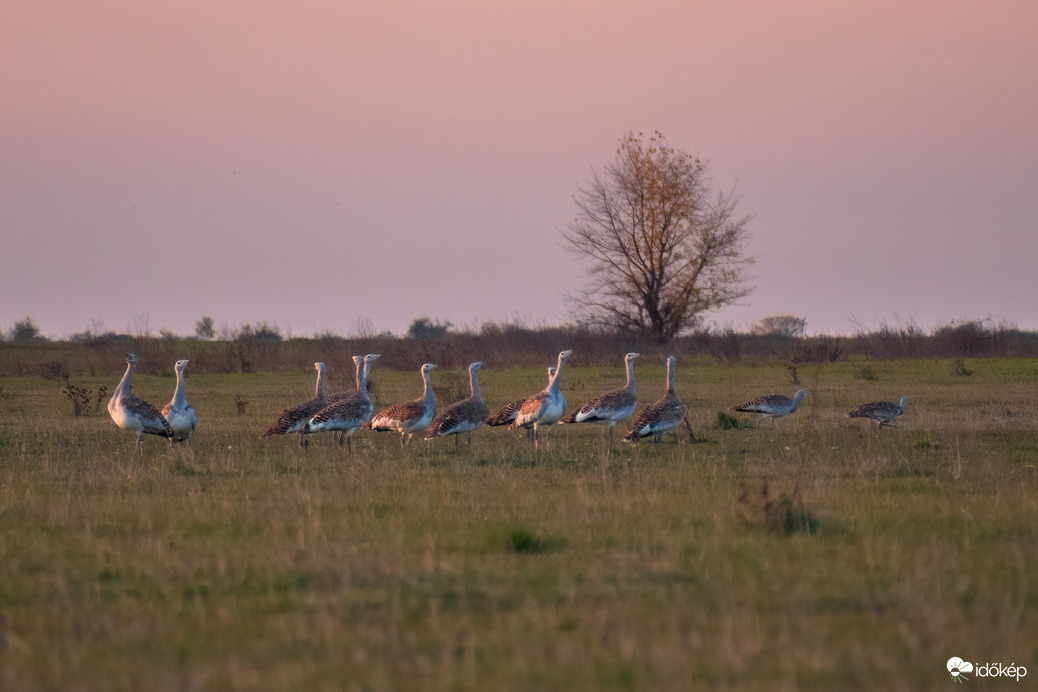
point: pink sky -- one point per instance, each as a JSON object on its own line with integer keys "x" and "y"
{"x": 321, "y": 165}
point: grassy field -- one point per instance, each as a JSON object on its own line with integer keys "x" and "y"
{"x": 233, "y": 563}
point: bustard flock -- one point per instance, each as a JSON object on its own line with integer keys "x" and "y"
{"x": 347, "y": 412}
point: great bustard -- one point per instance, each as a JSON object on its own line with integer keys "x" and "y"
{"x": 348, "y": 414}
{"x": 293, "y": 420}
{"x": 883, "y": 412}
{"x": 772, "y": 405}
{"x": 543, "y": 409}
{"x": 411, "y": 416}
{"x": 664, "y": 414}
{"x": 132, "y": 413}
{"x": 462, "y": 416}
{"x": 611, "y": 407}
{"x": 179, "y": 412}
{"x": 506, "y": 415}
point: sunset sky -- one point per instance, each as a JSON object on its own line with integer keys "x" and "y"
{"x": 344, "y": 165}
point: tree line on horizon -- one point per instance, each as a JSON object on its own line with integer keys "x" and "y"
{"x": 662, "y": 249}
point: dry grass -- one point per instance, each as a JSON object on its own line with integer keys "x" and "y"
{"x": 240, "y": 564}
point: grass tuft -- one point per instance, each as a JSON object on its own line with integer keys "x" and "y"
{"x": 725, "y": 421}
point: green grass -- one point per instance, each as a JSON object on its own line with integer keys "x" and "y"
{"x": 237, "y": 563}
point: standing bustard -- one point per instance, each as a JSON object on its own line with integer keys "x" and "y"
{"x": 462, "y": 416}
{"x": 179, "y": 412}
{"x": 772, "y": 405}
{"x": 337, "y": 396}
{"x": 543, "y": 409}
{"x": 611, "y": 407}
{"x": 663, "y": 414}
{"x": 883, "y": 412}
{"x": 411, "y": 416}
{"x": 131, "y": 413}
{"x": 348, "y": 414}
{"x": 293, "y": 420}
{"x": 506, "y": 415}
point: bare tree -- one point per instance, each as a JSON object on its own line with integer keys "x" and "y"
{"x": 661, "y": 252}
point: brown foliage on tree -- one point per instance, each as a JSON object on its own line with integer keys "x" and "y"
{"x": 661, "y": 252}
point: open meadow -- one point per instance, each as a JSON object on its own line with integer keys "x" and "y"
{"x": 810, "y": 552}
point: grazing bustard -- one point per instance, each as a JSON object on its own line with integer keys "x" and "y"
{"x": 883, "y": 412}
{"x": 772, "y": 405}
{"x": 348, "y": 414}
{"x": 543, "y": 409}
{"x": 293, "y": 420}
{"x": 611, "y": 407}
{"x": 179, "y": 412}
{"x": 462, "y": 416}
{"x": 411, "y": 416}
{"x": 663, "y": 414}
{"x": 131, "y": 413}
{"x": 507, "y": 414}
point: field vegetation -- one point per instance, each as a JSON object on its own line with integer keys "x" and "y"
{"x": 812, "y": 552}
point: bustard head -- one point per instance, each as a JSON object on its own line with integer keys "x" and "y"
{"x": 427, "y": 367}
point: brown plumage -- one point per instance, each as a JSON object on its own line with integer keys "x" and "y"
{"x": 664, "y": 414}
{"x": 611, "y": 407}
{"x": 132, "y": 413}
{"x": 292, "y": 420}
{"x": 411, "y": 416}
{"x": 883, "y": 412}
{"x": 506, "y": 415}
{"x": 349, "y": 414}
{"x": 463, "y": 416}
{"x": 544, "y": 409}
{"x": 772, "y": 405}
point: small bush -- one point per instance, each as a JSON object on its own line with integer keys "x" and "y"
{"x": 520, "y": 540}
{"x": 725, "y": 421}
{"x": 26, "y": 331}
{"x": 785, "y": 515}
{"x": 866, "y": 372}
{"x": 424, "y": 329}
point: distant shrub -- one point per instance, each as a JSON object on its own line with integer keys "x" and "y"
{"x": 789, "y": 326}
{"x": 26, "y": 331}
{"x": 424, "y": 329}
{"x": 264, "y": 332}
{"x": 821, "y": 349}
{"x": 205, "y": 327}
